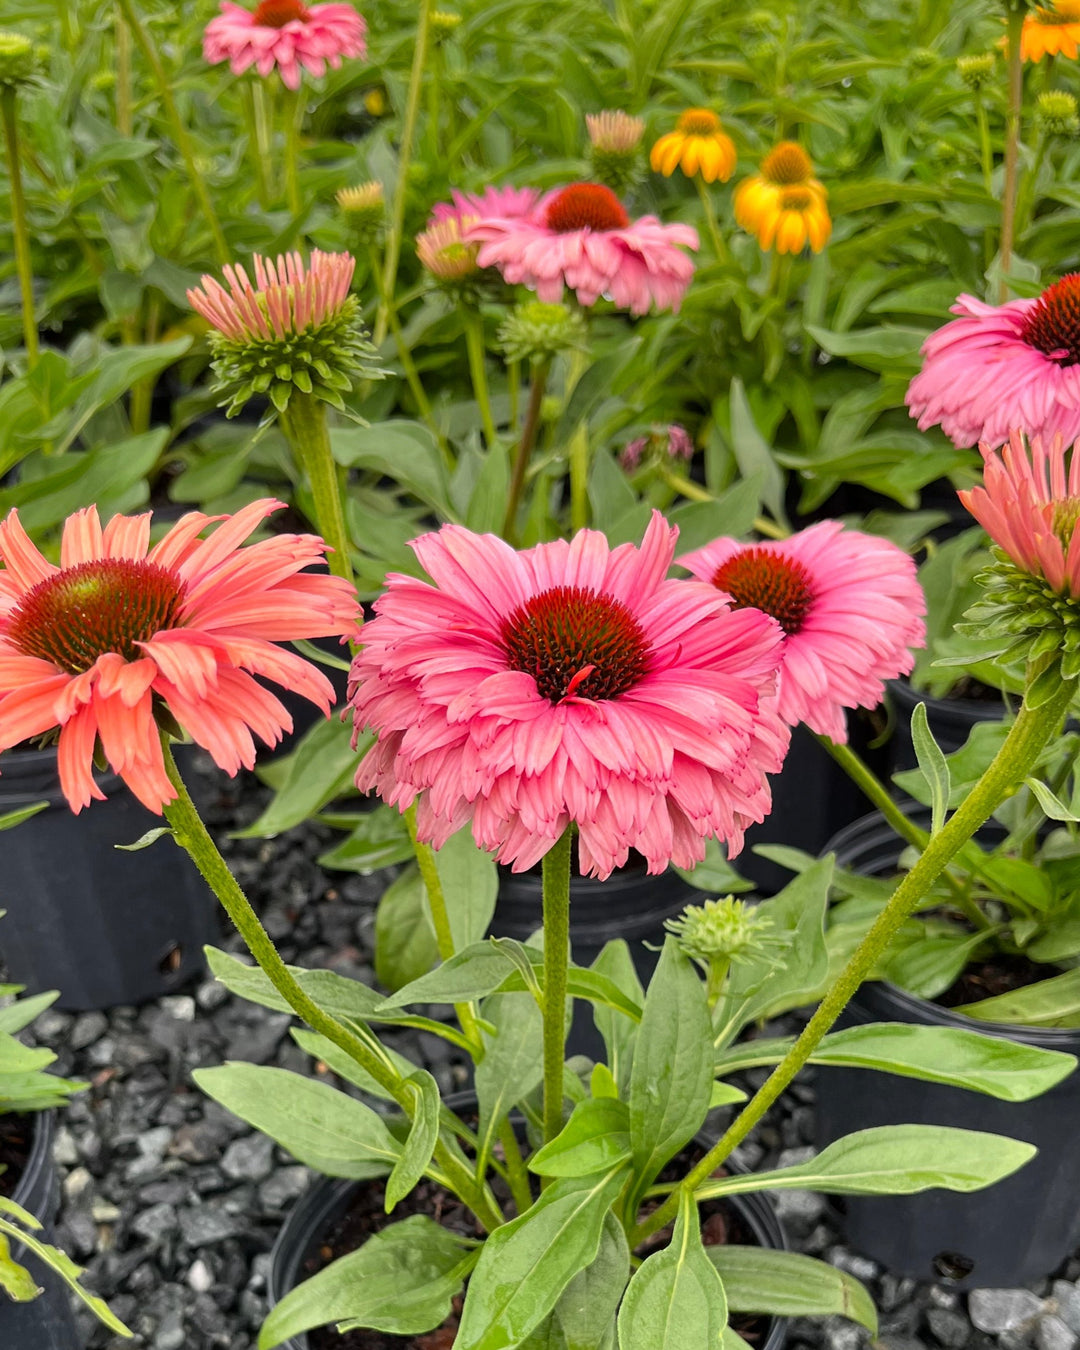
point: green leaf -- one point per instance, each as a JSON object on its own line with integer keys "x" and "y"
{"x": 892, "y": 1160}
{"x": 615, "y": 962}
{"x": 401, "y": 1281}
{"x": 932, "y": 763}
{"x": 15, "y": 1280}
{"x": 117, "y": 371}
{"x": 732, "y": 514}
{"x": 784, "y": 1284}
{"x": 671, "y": 1079}
{"x": 586, "y": 1311}
{"x": 378, "y": 839}
{"x": 470, "y": 974}
{"x": 343, "y": 1064}
{"x": 513, "y": 1062}
{"x": 470, "y": 882}
{"x": 1049, "y": 1003}
{"x": 18, "y": 1058}
{"x": 893, "y": 350}
{"x": 18, "y": 1015}
{"x": 318, "y": 1124}
{"x": 145, "y": 840}
{"x": 527, "y": 1263}
{"x": 404, "y": 451}
{"x": 675, "y": 1300}
{"x": 421, "y": 1140}
{"x": 321, "y": 768}
{"x": 12, "y": 818}
{"x": 596, "y": 1136}
{"x": 405, "y": 944}
{"x": 1051, "y": 805}
{"x": 754, "y": 454}
{"x": 714, "y": 873}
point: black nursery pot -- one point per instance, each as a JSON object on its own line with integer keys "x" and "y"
{"x": 1010, "y": 1234}
{"x": 950, "y": 721}
{"x": 101, "y": 925}
{"x": 47, "y": 1323}
{"x": 327, "y": 1200}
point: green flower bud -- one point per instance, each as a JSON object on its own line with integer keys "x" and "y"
{"x": 365, "y": 208}
{"x": 1056, "y": 113}
{"x": 19, "y": 62}
{"x": 977, "y": 70}
{"x": 536, "y": 331}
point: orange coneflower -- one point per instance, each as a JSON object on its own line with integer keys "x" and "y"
{"x": 784, "y": 205}
{"x": 1049, "y": 31}
{"x": 697, "y": 145}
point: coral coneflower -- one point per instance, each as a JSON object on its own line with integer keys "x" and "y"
{"x": 697, "y": 145}
{"x": 1000, "y": 368}
{"x": 285, "y": 34}
{"x": 582, "y": 238}
{"x": 1051, "y": 32}
{"x": 784, "y": 204}
{"x": 569, "y": 682}
{"x": 95, "y": 646}
{"x": 850, "y": 607}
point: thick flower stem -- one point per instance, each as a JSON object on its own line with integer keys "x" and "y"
{"x": 258, "y": 139}
{"x": 401, "y": 187}
{"x": 440, "y": 919}
{"x": 524, "y": 450}
{"x": 1013, "y": 762}
{"x": 1012, "y": 145}
{"x": 304, "y": 423}
{"x": 578, "y": 452}
{"x": 556, "y": 949}
{"x": 19, "y": 224}
{"x": 474, "y": 343}
{"x": 180, "y": 132}
{"x": 719, "y": 247}
{"x": 192, "y": 836}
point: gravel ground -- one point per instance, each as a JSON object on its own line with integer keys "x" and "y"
{"x": 173, "y": 1204}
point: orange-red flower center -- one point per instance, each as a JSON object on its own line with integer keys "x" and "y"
{"x": 787, "y": 164}
{"x": 573, "y": 641}
{"x": 758, "y": 578}
{"x": 277, "y": 13}
{"x": 586, "y": 206}
{"x": 1053, "y": 325}
{"x": 82, "y": 612}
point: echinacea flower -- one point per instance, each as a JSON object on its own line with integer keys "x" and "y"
{"x": 697, "y": 145}
{"x": 784, "y": 205}
{"x": 286, "y": 34}
{"x": 1000, "y": 368}
{"x": 850, "y": 606}
{"x": 614, "y": 144}
{"x": 582, "y": 238}
{"x": 568, "y": 682}
{"x": 444, "y": 253}
{"x": 120, "y": 631}
{"x": 670, "y": 442}
{"x": 1050, "y": 32}
{"x": 364, "y": 204}
{"x": 505, "y": 203}
{"x": 296, "y": 327}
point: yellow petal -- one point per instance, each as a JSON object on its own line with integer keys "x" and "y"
{"x": 691, "y": 155}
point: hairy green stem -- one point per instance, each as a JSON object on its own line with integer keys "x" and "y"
{"x": 474, "y": 344}
{"x": 19, "y": 225}
{"x": 401, "y": 187}
{"x": 719, "y": 247}
{"x": 192, "y": 835}
{"x": 180, "y": 132}
{"x": 1013, "y": 762}
{"x": 524, "y": 450}
{"x": 556, "y": 877}
{"x": 304, "y": 423}
{"x": 1012, "y": 144}
{"x": 516, "y": 1172}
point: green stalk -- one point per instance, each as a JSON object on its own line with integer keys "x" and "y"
{"x": 556, "y": 944}
{"x": 986, "y": 153}
{"x": 191, "y": 834}
{"x": 1012, "y": 144}
{"x": 694, "y": 492}
{"x": 719, "y": 247}
{"x": 125, "y": 121}
{"x": 292, "y": 113}
{"x": 304, "y": 423}
{"x": 1010, "y": 766}
{"x": 516, "y": 1172}
{"x": 474, "y": 343}
{"x": 579, "y": 478}
{"x": 524, "y": 450}
{"x": 401, "y": 187}
{"x": 19, "y": 228}
{"x": 1025, "y": 202}
{"x": 440, "y": 919}
{"x": 180, "y": 132}
{"x": 258, "y": 139}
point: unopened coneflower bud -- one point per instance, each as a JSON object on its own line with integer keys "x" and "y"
{"x": 297, "y": 327}
{"x": 1056, "y": 113}
{"x": 977, "y": 70}
{"x": 443, "y": 22}
{"x": 614, "y": 148}
{"x": 365, "y": 208}
{"x": 19, "y": 61}
{"x": 720, "y": 933}
{"x": 537, "y": 331}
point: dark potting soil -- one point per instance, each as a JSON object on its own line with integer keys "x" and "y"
{"x": 1000, "y": 974}
{"x": 16, "y": 1140}
{"x": 367, "y": 1215}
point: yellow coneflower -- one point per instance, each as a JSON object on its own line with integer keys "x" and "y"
{"x": 784, "y": 205}
{"x": 697, "y": 145}
{"x": 1051, "y": 32}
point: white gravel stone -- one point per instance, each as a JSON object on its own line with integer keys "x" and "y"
{"x": 997, "y": 1310}
{"x": 1051, "y": 1333}
{"x": 200, "y": 1277}
{"x": 1067, "y": 1298}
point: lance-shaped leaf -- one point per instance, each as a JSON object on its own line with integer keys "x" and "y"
{"x": 785, "y": 1284}
{"x": 420, "y": 1141}
{"x": 596, "y": 1136}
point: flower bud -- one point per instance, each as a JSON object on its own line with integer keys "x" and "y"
{"x": 19, "y": 61}
{"x": 614, "y": 149}
{"x": 536, "y": 331}
{"x": 365, "y": 208}
{"x": 977, "y": 70}
{"x": 1056, "y": 113}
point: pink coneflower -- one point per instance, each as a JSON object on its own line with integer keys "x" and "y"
{"x": 1030, "y": 506}
{"x": 850, "y": 607}
{"x": 569, "y": 682}
{"x": 93, "y": 646}
{"x": 286, "y": 34}
{"x": 582, "y": 237}
{"x": 1000, "y": 368}
{"x": 287, "y": 296}
{"x": 505, "y": 203}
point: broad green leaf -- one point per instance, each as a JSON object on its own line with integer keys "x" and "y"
{"x": 18, "y": 1058}
{"x": 586, "y": 1311}
{"x": 470, "y": 882}
{"x": 337, "y": 1061}
{"x": 404, "y": 451}
{"x": 675, "y": 1300}
{"x": 15, "y": 1280}
{"x": 1049, "y": 1003}
{"x": 1051, "y": 805}
{"x": 527, "y": 1263}
{"x": 377, "y": 839}
{"x": 16, "y": 1016}
{"x": 891, "y": 349}
{"x": 319, "y": 1125}
{"x": 932, "y": 763}
{"x": 731, "y": 514}
{"x": 405, "y": 943}
{"x": 714, "y": 873}
{"x": 513, "y": 1061}
{"x": 753, "y": 453}
{"x": 931, "y": 964}
{"x": 596, "y": 1136}
{"x": 892, "y": 1160}
{"x": 725, "y": 1094}
{"x": 619, "y": 1032}
{"x": 117, "y": 371}
{"x": 471, "y": 974}
{"x": 784, "y": 1284}
{"x": 401, "y": 1281}
{"x": 321, "y": 768}
{"x": 671, "y": 1079}
{"x": 420, "y": 1141}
